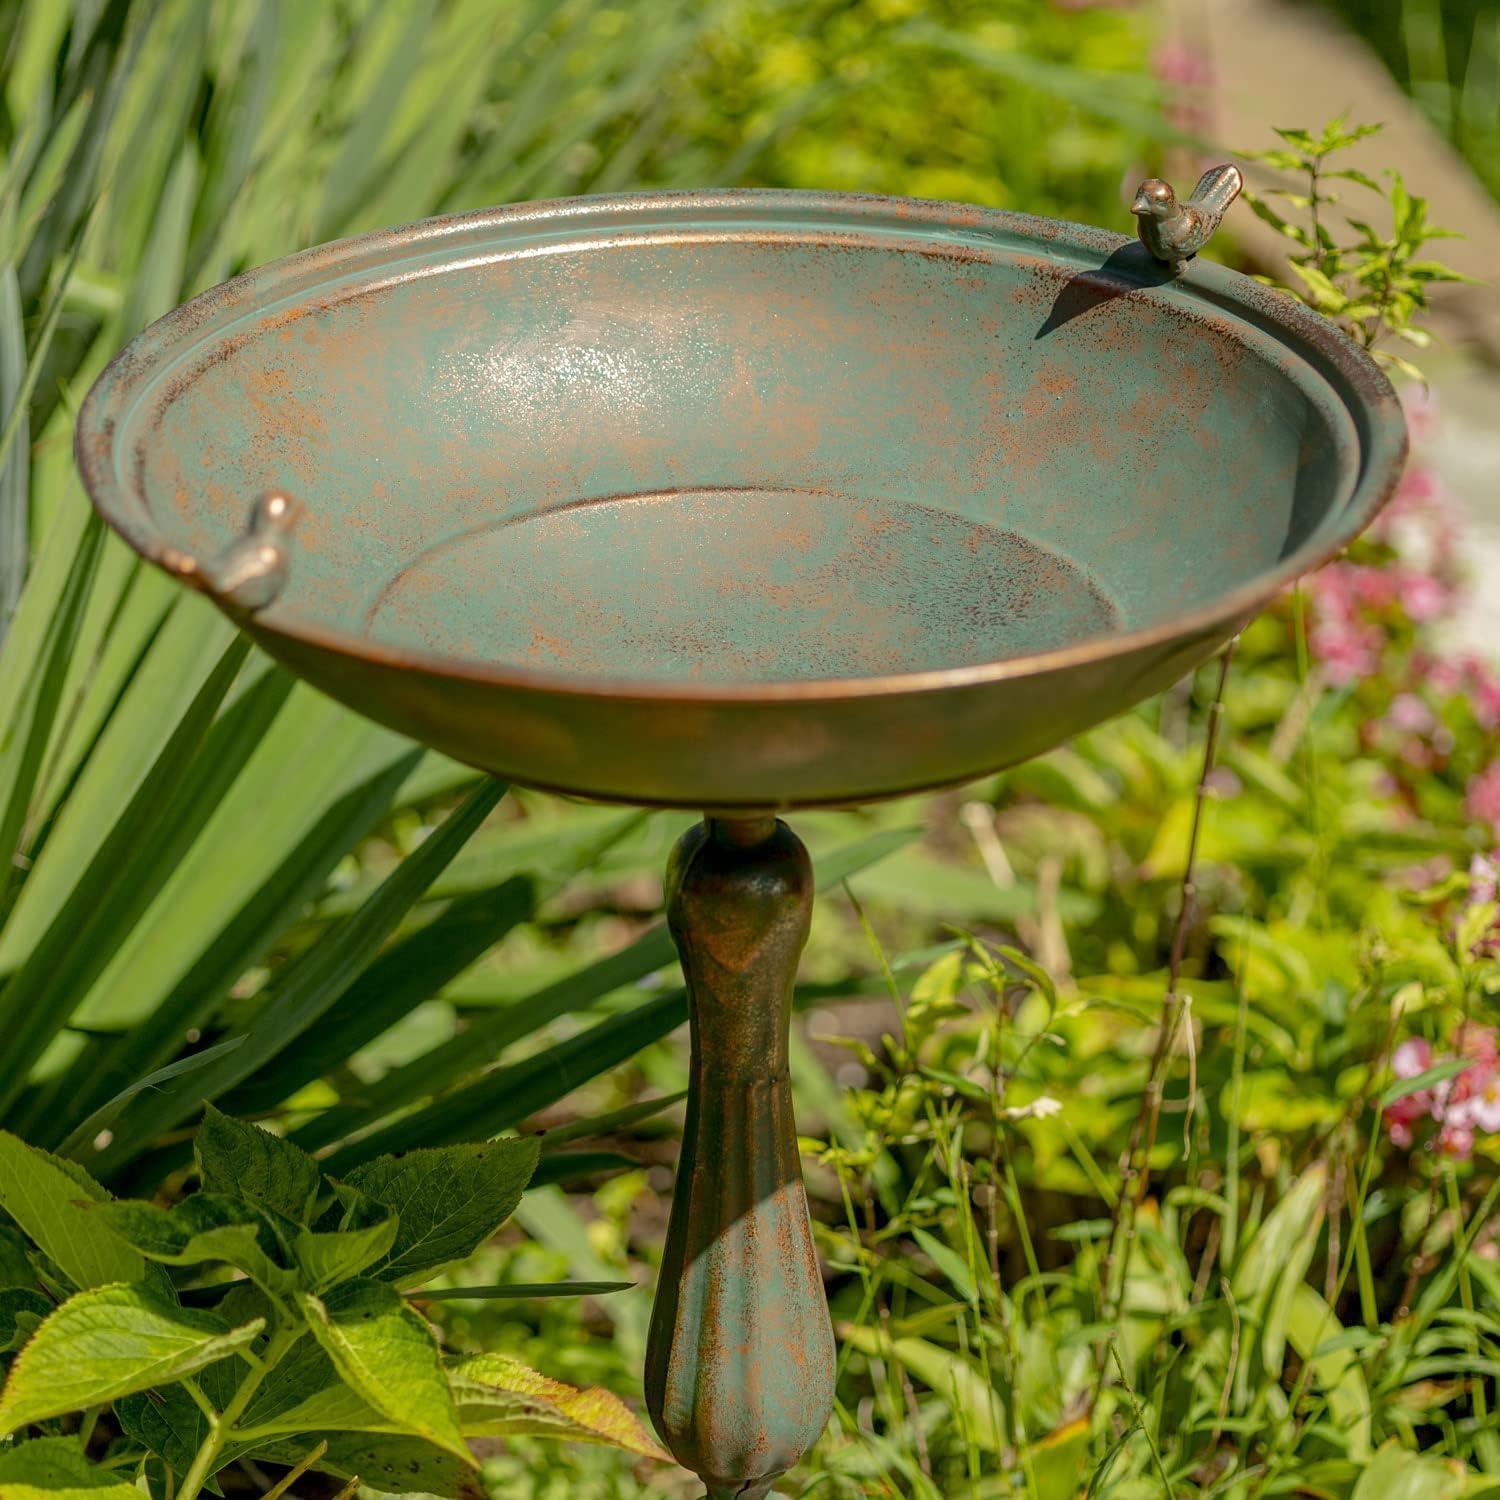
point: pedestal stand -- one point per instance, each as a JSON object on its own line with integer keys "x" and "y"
{"x": 739, "y": 1366}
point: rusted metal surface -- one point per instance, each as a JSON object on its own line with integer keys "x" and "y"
{"x": 1174, "y": 231}
{"x": 746, "y": 500}
{"x": 740, "y": 1362}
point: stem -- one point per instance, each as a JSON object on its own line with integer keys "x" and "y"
{"x": 86, "y": 1426}
{"x": 220, "y": 1427}
{"x": 1135, "y": 1165}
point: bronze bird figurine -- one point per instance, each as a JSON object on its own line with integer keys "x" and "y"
{"x": 250, "y": 572}
{"x": 1175, "y": 232}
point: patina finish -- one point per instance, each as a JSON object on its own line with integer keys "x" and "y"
{"x": 746, "y": 500}
{"x": 1174, "y": 230}
{"x": 738, "y": 502}
{"x": 739, "y": 1367}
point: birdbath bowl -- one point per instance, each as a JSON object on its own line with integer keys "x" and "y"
{"x": 740, "y": 502}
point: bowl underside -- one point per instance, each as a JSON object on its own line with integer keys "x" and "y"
{"x": 684, "y": 499}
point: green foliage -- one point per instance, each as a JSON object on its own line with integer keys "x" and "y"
{"x": 1372, "y": 285}
{"x": 113, "y": 1341}
{"x": 447, "y": 1201}
{"x": 1446, "y": 55}
{"x": 201, "y": 1371}
{"x": 48, "y": 1197}
{"x": 54, "y": 1469}
{"x": 217, "y": 885}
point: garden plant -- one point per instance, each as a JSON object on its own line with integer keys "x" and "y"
{"x": 1135, "y": 1174}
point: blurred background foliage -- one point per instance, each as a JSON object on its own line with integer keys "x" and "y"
{"x": 215, "y": 882}
{"x": 1446, "y": 55}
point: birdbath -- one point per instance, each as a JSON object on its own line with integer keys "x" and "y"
{"x": 740, "y": 502}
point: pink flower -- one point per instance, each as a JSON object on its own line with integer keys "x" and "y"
{"x": 1183, "y": 65}
{"x": 1412, "y": 1057}
{"x": 1484, "y": 692}
{"x": 1422, "y": 595}
{"x": 1484, "y": 876}
{"x": 1443, "y": 676}
{"x": 1482, "y": 800}
{"x": 1421, "y": 877}
{"x": 1409, "y": 714}
{"x": 1422, "y": 411}
{"x": 1348, "y": 649}
{"x": 1373, "y": 587}
{"x": 1478, "y": 1042}
{"x": 1482, "y": 1108}
{"x": 1462, "y": 1106}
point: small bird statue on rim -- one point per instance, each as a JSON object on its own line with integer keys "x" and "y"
{"x": 1175, "y": 232}
{"x": 251, "y": 571}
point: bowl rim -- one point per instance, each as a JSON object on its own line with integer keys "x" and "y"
{"x": 1353, "y": 377}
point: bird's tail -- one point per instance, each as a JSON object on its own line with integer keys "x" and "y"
{"x": 1218, "y": 188}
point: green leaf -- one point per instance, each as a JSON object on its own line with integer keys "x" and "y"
{"x": 1057, "y": 1462}
{"x": 169, "y": 1423}
{"x": 22, "y": 1310}
{"x": 392, "y": 1464}
{"x": 1302, "y": 139}
{"x": 449, "y": 1200}
{"x": 1325, "y": 295}
{"x": 970, "y": 1399}
{"x": 1263, "y": 211}
{"x": 305, "y": 1393}
{"x": 607, "y": 1124}
{"x": 522, "y": 1290}
{"x": 203, "y": 1227}
{"x": 1402, "y": 1088}
{"x": 15, "y": 1259}
{"x": 50, "y": 1198}
{"x": 244, "y": 1160}
{"x": 49, "y": 640}
{"x": 109, "y": 1342}
{"x": 313, "y": 983}
{"x": 15, "y": 466}
{"x": 155, "y": 826}
{"x": 498, "y": 1397}
{"x": 1337, "y": 1371}
{"x": 365, "y": 1234}
{"x": 218, "y": 915}
{"x": 53, "y": 1468}
{"x": 1395, "y": 1473}
{"x": 387, "y": 1355}
{"x": 1283, "y": 161}
{"x": 570, "y": 1166}
{"x": 1294, "y": 1219}
{"x": 410, "y": 971}
{"x": 950, "y": 1263}
{"x": 89, "y": 1128}
{"x": 1350, "y": 174}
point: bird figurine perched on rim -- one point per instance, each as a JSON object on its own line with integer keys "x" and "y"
{"x": 251, "y": 571}
{"x": 1175, "y": 232}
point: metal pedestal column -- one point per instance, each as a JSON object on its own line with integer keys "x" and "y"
{"x": 739, "y": 1366}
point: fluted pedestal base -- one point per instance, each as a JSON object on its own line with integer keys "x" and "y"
{"x": 739, "y": 1366}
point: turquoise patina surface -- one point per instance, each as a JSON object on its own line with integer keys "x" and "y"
{"x": 746, "y": 499}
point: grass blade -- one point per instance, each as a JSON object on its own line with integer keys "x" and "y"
{"x": 112, "y": 891}
{"x": 312, "y": 984}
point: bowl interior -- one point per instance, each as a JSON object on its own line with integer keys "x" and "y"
{"x": 765, "y": 451}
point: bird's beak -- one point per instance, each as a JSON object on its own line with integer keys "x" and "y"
{"x": 1142, "y": 204}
